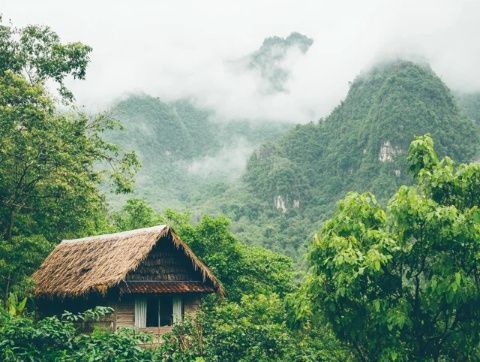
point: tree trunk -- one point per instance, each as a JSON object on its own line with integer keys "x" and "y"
{"x": 9, "y": 226}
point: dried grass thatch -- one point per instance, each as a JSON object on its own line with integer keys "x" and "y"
{"x": 98, "y": 263}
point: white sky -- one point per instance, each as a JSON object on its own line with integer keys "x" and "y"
{"x": 180, "y": 48}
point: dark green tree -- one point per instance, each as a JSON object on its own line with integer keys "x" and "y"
{"x": 135, "y": 214}
{"x": 51, "y": 163}
{"x": 37, "y": 53}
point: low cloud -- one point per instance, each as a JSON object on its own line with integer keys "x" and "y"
{"x": 186, "y": 48}
{"x": 227, "y": 164}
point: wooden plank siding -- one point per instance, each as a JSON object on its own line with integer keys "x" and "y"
{"x": 191, "y": 304}
{"x": 125, "y": 314}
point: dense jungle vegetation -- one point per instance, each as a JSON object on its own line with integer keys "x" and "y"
{"x": 391, "y": 277}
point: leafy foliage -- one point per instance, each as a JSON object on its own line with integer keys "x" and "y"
{"x": 254, "y": 329}
{"x": 50, "y": 158}
{"x": 19, "y": 258}
{"x": 401, "y": 283}
{"x": 36, "y": 53}
{"x": 135, "y": 214}
{"x": 15, "y": 308}
{"x": 59, "y": 339}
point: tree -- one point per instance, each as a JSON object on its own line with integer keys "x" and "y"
{"x": 135, "y": 214}
{"x": 253, "y": 329}
{"x": 52, "y": 163}
{"x": 36, "y": 53}
{"x": 242, "y": 269}
{"x": 403, "y": 283}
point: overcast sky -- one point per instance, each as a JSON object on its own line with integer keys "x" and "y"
{"x": 179, "y": 48}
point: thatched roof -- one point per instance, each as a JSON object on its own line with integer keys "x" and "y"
{"x": 98, "y": 263}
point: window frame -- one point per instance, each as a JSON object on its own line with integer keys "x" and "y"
{"x": 141, "y": 310}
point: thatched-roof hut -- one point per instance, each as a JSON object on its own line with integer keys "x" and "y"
{"x": 149, "y": 276}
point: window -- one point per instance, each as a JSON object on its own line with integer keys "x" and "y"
{"x": 158, "y": 311}
{"x": 166, "y": 311}
{"x": 152, "y": 312}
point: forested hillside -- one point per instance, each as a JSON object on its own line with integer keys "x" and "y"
{"x": 470, "y": 102}
{"x": 185, "y": 149}
{"x": 294, "y": 182}
{"x": 194, "y": 161}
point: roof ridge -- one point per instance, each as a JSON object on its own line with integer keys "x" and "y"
{"x": 134, "y": 232}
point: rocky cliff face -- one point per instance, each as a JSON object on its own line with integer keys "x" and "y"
{"x": 388, "y": 152}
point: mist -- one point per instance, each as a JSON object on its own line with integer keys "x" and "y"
{"x": 227, "y": 164}
{"x": 182, "y": 49}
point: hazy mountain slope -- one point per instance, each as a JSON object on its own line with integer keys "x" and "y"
{"x": 151, "y": 125}
{"x": 185, "y": 149}
{"x": 363, "y": 143}
{"x": 294, "y": 182}
{"x": 470, "y": 102}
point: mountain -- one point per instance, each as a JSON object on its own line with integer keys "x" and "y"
{"x": 294, "y": 175}
{"x": 185, "y": 149}
{"x": 292, "y": 183}
{"x": 269, "y": 60}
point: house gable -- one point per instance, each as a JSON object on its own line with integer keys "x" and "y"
{"x": 165, "y": 262}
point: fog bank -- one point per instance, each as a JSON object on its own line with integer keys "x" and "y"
{"x": 187, "y": 48}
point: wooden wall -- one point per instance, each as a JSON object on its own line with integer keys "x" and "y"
{"x": 124, "y": 313}
{"x": 191, "y": 303}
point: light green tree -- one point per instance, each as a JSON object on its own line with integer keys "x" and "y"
{"x": 403, "y": 283}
